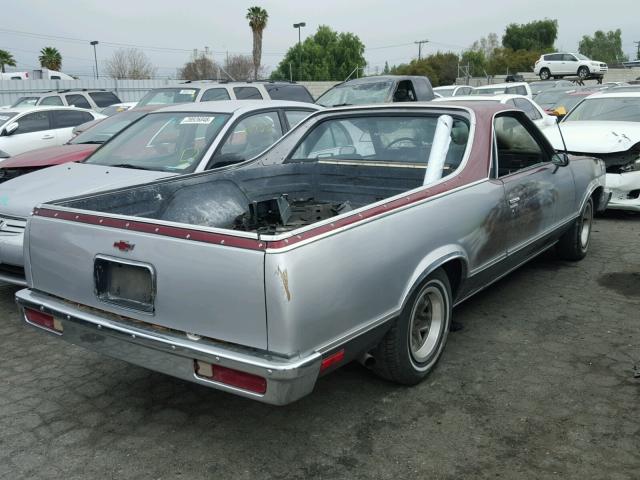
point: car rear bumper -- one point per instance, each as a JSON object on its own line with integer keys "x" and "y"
{"x": 172, "y": 353}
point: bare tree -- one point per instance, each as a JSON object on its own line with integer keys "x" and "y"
{"x": 200, "y": 68}
{"x": 240, "y": 67}
{"x": 130, "y": 63}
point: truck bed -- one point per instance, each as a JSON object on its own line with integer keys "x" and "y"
{"x": 268, "y": 199}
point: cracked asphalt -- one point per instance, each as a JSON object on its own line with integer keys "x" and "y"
{"x": 539, "y": 384}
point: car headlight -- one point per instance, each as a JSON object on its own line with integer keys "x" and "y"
{"x": 595, "y": 64}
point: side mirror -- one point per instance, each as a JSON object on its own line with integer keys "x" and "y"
{"x": 11, "y": 128}
{"x": 560, "y": 159}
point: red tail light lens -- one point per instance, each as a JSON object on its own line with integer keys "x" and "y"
{"x": 229, "y": 376}
{"x": 43, "y": 320}
{"x": 332, "y": 360}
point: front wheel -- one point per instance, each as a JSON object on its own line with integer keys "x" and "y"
{"x": 545, "y": 74}
{"x": 412, "y": 347}
{"x": 583, "y": 73}
{"x": 574, "y": 244}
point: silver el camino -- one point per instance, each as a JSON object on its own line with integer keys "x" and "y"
{"x": 353, "y": 237}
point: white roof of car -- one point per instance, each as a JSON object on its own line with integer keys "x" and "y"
{"x": 31, "y": 108}
{"x": 606, "y": 94}
{"x": 235, "y": 106}
{"x": 501, "y": 98}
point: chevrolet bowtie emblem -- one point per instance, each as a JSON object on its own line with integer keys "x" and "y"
{"x": 123, "y": 246}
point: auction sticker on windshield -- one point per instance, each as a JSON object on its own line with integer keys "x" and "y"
{"x": 187, "y": 92}
{"x": 197, "y": 120}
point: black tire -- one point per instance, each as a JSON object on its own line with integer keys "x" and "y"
{"x": 545, "y": 74}
{"x": 397, "y": 357}
{"x": 583, "y": 73}
{"x": 574, "y": 243}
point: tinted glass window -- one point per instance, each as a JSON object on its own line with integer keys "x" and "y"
{"x": 463, "y": 91}
{"x": 70, "y": 118}
{"x": 33, "y": 122}
{"x": 556, "y": 57}
{"x": 77, "y": 101}
{"x": 166, "y": 142}
{"x": 356, "y": 94}
{"x": 251, "y": 136}
{"x": 52, "y": 100}
{"x": 295, "y": 93}
{"x": 528, "y": 109}
{"x": 569, "y": 58}
{"x": 247, "y": 93}
{"x": 26, "y": 101}
{"x": 215, "y": 94}
{"x": 517, "y": 149}
{"x": 613, "y": 109}
{"x": 104, "y": 99}
{"x": 294, "y": 117}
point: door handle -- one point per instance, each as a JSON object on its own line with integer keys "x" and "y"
{"x": 514, "y": 201}
{"x": 48, "y": 137}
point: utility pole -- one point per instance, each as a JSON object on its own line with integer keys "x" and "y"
{"x": 299, "y": 26}
{"x": 95, "y": 56}
{"x": 419, "y": 43}
{"x": 638, "y": 54}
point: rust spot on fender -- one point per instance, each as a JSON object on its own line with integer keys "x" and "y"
{"x": 284, "y": 278}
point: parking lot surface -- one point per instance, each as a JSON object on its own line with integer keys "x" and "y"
{"x": 538, "y": 384}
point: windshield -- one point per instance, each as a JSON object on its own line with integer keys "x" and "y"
{"x": 107, "y": 128}
{"x": 612, "y": 109}
{"x": 581, "y": 57}
{"x": 26, "y": 102}
{"x": 169, "y": 96}
{"x": 165, "y": 142}
{"x": 551, "y": 98}
{"x": 5, "y": 116}
{"x": 356, "y": 94}
{"x": 390, "y": 141}
{"x": 445, "y": 92}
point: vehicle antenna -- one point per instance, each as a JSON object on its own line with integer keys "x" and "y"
{"x": 564, "y": 144}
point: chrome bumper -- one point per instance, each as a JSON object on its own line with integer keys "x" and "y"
{"x": 288, "y": 379}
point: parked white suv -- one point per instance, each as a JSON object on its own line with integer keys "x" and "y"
{"x": 558, "y": 65}
{"x": 22, "y": 130}
{"x": 88, "y": 99}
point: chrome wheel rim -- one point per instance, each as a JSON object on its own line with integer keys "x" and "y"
{"x": 544, "y": 74}
{"x": 582, "y": 73}
{"x": 585, "y": 231}
{"x": 428, "y": 317}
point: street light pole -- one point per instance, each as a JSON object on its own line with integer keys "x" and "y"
{"x": 299, "y": 26}
{"x": 95, "y": 56}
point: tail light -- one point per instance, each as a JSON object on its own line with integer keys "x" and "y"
{"x": 44, "y": 320}
{"x": 331, "y": 360}
{"x": 231, "y": 377}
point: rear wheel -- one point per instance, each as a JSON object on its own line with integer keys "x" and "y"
{"x": 545, "y": 74}
{"x": 574, "y": 244}
{"x": 412, "y": 347}
{"x": 583, "y": 73}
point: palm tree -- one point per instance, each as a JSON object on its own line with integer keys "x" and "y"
{"x": 257, "y": 17}
{"x": 6, "y": 59}
{"x": 50, "y": 58}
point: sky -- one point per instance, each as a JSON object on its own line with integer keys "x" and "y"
{"x": 169, "y": 31}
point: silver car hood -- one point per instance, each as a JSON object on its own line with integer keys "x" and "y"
{"x": 19, "y": 196}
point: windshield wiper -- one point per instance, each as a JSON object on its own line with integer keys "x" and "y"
{"x": 342, "y": 104}
{"x": 91, "y": 142}
{"x": 128, "y": 165}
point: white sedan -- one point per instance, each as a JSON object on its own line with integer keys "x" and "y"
{"x": 607, "y": 125}
{"x": 531, "y": 109}
{"x": 22, "y": 130}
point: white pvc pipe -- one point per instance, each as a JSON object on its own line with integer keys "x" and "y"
{"x": 439, "y": 149}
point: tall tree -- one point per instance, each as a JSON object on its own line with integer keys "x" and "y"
{"x": 605, "y": 47}
{"x": 257, "y": 17}
{"x": 325, "y": 55}
{"x": 6, "y": 59}
{"x": 476, "y": 60}
{"x": 486, "y": 45}
{"x": 130, "y": 63}
{"x": 50, "y": 58}
{"x": 199, "y": 68}
{"x": 386, "y": 70}
{"x": 440, "y": 67}
{"x": 539, "y": 35}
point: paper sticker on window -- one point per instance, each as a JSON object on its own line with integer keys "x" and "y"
{"x": 187, "y": 92}
{"x": 196, "y": 120}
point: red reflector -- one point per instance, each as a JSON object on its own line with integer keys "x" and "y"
{"x": 43, "y": 320}
{"x": 229, "y": 376}
{"x": 332, "y": 360}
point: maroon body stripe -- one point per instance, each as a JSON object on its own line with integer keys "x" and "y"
{"x": 155, "y": 229}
